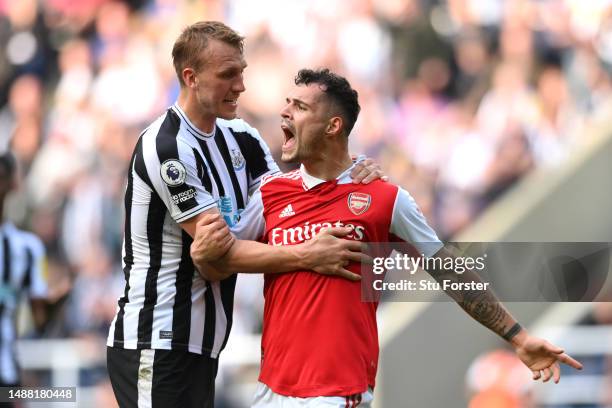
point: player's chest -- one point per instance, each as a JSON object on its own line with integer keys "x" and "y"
{"x": 296, "y": 216}
{"x": 218, "y": 160}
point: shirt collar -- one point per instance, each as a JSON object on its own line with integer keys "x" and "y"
{"x": 193, "y": 127}
{"x": 309, "y": 182}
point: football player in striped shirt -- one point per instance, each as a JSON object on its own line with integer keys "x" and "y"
{"x": 320, "y": 342}
{"x": 22, "y": 271}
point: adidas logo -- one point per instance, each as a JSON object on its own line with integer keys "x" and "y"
{"x": 287, "y": 212}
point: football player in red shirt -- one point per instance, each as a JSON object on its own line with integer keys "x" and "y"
{"x": 320, "y": 340}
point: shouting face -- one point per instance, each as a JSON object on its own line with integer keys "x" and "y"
{"x": 304, "y": 120}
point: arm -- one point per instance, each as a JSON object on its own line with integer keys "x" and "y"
{"x": 409, "y": 224}
{"x": 541, "y": 357}
{"x": 326, "y": 254}
{"x": 482, "y": 305}
{"x": 218, "y": 255}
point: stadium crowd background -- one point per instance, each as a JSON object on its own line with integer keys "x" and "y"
{"x": 460, "y": 99}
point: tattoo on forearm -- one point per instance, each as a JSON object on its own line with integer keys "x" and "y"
{"x": 484, "y": 308}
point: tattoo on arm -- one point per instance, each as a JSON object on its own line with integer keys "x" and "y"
{"x": 483, "y": 306}
{"x": 485, "y": 309}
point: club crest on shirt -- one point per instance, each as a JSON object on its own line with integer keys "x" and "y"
{"x": 173, "y": 172}
{"x": 237, "y": 159}
{"x": 359, "y": 203}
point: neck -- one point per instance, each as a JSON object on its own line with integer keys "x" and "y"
{"x": 188, "y": 103}
{"x": 330, "y": 164}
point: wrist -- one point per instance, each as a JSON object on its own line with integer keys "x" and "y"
{"x": 302, "y": 255}
{"x": 516, "y": 336}
{"x": 197, "y": 255}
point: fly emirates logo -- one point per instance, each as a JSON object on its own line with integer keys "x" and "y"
{"x": 295, "y": 235}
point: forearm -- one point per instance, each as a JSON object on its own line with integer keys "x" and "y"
{"x": 482, "y": 305}
{"x": 485, "y": 308}
{"x": 255, "y": 257}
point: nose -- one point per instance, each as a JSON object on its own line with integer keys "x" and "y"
{"x": 239, "y": 85}
{"x": 285, "y": 112}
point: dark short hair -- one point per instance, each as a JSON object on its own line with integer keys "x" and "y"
{"x": 8, "y": 164}
{"x": 194, "y": 39}
{"x": 337, "y": 89}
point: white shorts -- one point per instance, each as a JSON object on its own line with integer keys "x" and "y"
{"x": 266, "y": 398}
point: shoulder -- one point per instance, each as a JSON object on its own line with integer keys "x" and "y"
{"x": 165, "y": 127}
{"x": 245, "y": 134}
{"x": 281, "y": 179}
{"x": 165, "y": 137}
{"x": 383, "y": 188}
{"x": 237, "y": 125}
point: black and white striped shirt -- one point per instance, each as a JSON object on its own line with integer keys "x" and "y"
{"x": 176, "y": 172}
{"x": 22, "y": 270}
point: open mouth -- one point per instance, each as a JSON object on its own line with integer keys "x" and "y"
{"x": 289, "y": 137}
{"x": 232, "y": 102}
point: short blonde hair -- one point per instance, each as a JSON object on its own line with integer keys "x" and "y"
{"x": 194, "y": 39}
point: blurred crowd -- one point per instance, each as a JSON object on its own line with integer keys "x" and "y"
{"x": 460, "y": 99}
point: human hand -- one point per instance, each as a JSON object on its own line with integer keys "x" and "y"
{"x": 542, "y": 357}
{"x": 329, "y": 254}
{"x": 212, "y": 239}
{"x": 367, "y": 171}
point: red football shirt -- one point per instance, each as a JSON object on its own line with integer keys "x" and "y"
{"x": 319, "y": 338}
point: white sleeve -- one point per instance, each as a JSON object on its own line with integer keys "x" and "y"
{"x": 260, "y": 159}
{"x": 409, "y": 224}
{"x": 252, "y": 224}
{"x": 172, "y": 169}
{"x": 38, "y": 270}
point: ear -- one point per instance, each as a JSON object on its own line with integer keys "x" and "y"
{"x": 334, "y": 125}
{"x": 189, "y": 78}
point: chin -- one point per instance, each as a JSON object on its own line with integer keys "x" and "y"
{"x": 227, "y": 115}
{"x": 289, "y": 158}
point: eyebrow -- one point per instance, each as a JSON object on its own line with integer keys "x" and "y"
{"x": 232, "y": 66}
{"x": 298, "y": 101}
